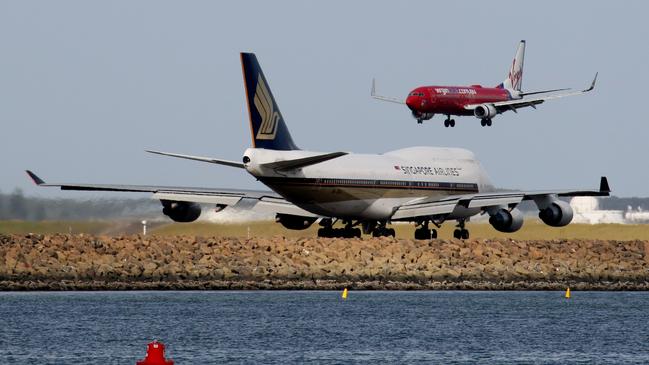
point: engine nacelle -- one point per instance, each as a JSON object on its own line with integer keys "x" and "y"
{"x": 295, "y": 222}
{"x": 557, "y": 214}
{"x": 183, "y": 212}
{"x": 485, "y": 111}
{"x": 507, "y": 221}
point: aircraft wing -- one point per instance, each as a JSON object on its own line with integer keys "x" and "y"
{"x": 514, "y": 104}
{"x": 266, "y": 201}
{"x": 428, "y": 208}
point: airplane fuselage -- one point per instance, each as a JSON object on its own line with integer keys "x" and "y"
{"x": 367, "y": 186}
{"x": 451, "y": 100}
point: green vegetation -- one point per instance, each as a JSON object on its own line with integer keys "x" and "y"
{"x": 532, "y": 230}
{"x": 43, "y": 227}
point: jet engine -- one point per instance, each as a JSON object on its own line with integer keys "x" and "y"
{"x": 505, "y": 220}
{"x": 422, "y": 116}
{"x": 557, "y": 214}
{"x": 294, "y": 221}
{"x": 181, "y": 211}
{"x": 485, "y": 111}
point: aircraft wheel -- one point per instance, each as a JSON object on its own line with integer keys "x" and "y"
{"x": 422, "y": 234}
{"x": 452, "y": 123}
{"x": 325, "y": 232}
{"x": 419, "y": 121}
{"x": 390, "y": 232}
{"x": 483, "y": 122}
{"x": 357, "y": 233}
{"x": 446, "y": 123}
{"x": 457, "y": 234}
{"x": 465, "y": 234}
{"x": 489, "y": 122}
{"x": 433, "y": 233}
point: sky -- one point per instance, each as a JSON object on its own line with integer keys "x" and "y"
{"x": 87, "y": 86}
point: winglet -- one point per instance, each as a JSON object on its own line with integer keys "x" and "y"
{"x": 37, "y": 180}
{"x": 603, "y": 185}
{"x": 592, "y": 85}
{"x": 373, "y": 92}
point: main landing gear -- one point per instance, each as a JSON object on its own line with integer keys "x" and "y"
{"x": 485, "y": 122}
{"x": 460, "y": 232}
{"x": 424, "y": 233}
{"x": 449, "y": 122}
{"x": 383, "y": 231}
{"x": 376, "y": 229}
{"x": 328, "y": 231}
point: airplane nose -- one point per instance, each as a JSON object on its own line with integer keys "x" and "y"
{"x": 411, "y": 103}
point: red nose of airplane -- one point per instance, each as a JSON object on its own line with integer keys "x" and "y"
{"x": 411, "y": 102}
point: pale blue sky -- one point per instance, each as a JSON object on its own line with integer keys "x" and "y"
{"x": 86, "y": 86}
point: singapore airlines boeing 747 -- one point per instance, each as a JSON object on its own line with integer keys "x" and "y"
{"x": 366, "y": 192}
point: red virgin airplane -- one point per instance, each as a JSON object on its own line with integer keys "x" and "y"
{"x": 482, "y": 102}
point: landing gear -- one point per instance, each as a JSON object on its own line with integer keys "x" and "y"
{"x": 382, "y": 231}
{"x": 461, "y": 233}
{"x": 485, "y": 122}
{"x": 328, "y": 231}
{"x": 424, "y": 233}
{"x": 449, "y": 122}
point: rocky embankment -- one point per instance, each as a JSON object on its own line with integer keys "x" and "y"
{"x": 82, "y": 262}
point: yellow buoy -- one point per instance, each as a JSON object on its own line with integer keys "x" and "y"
{"x": 345, "y": 293}
{"x": 568, "y": 293}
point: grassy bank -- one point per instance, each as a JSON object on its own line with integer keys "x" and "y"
{"x": 532, "y": 230}
{"x": 46, "y": 227}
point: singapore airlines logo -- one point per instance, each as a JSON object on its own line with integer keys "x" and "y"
{"x": 264, "y": 105}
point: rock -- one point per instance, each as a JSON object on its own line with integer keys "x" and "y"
{"x": 44, "y": 261}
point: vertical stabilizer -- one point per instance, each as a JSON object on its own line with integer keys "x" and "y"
{"x": 514, "y": 80}
{"x": 266, "y": 122}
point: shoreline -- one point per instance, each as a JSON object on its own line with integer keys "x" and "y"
{"x": 63, "y": 262}
{"x": 65, "y": 286}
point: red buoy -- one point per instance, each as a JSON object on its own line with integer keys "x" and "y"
{"x": 155, "y": 355}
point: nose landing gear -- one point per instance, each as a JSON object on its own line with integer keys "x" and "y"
{"x": 424, "y": 233}
{"x": 382, "y": 231}
{"x": 461, "y": 233}
{"x": 328, "y": 231}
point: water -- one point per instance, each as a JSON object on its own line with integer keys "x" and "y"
{"x": 318, "y": 327}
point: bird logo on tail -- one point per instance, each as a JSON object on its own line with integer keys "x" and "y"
{"x": 264, "y": 105}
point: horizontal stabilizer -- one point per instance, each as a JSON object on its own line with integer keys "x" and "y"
{"x": 384, "y": 98}
{"x": 202, "y": 159}
{"x": 302, "y": 162}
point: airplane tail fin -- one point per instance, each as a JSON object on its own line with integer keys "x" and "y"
{"x": 514, "y": 80}
{"x": 266, "y": 122}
